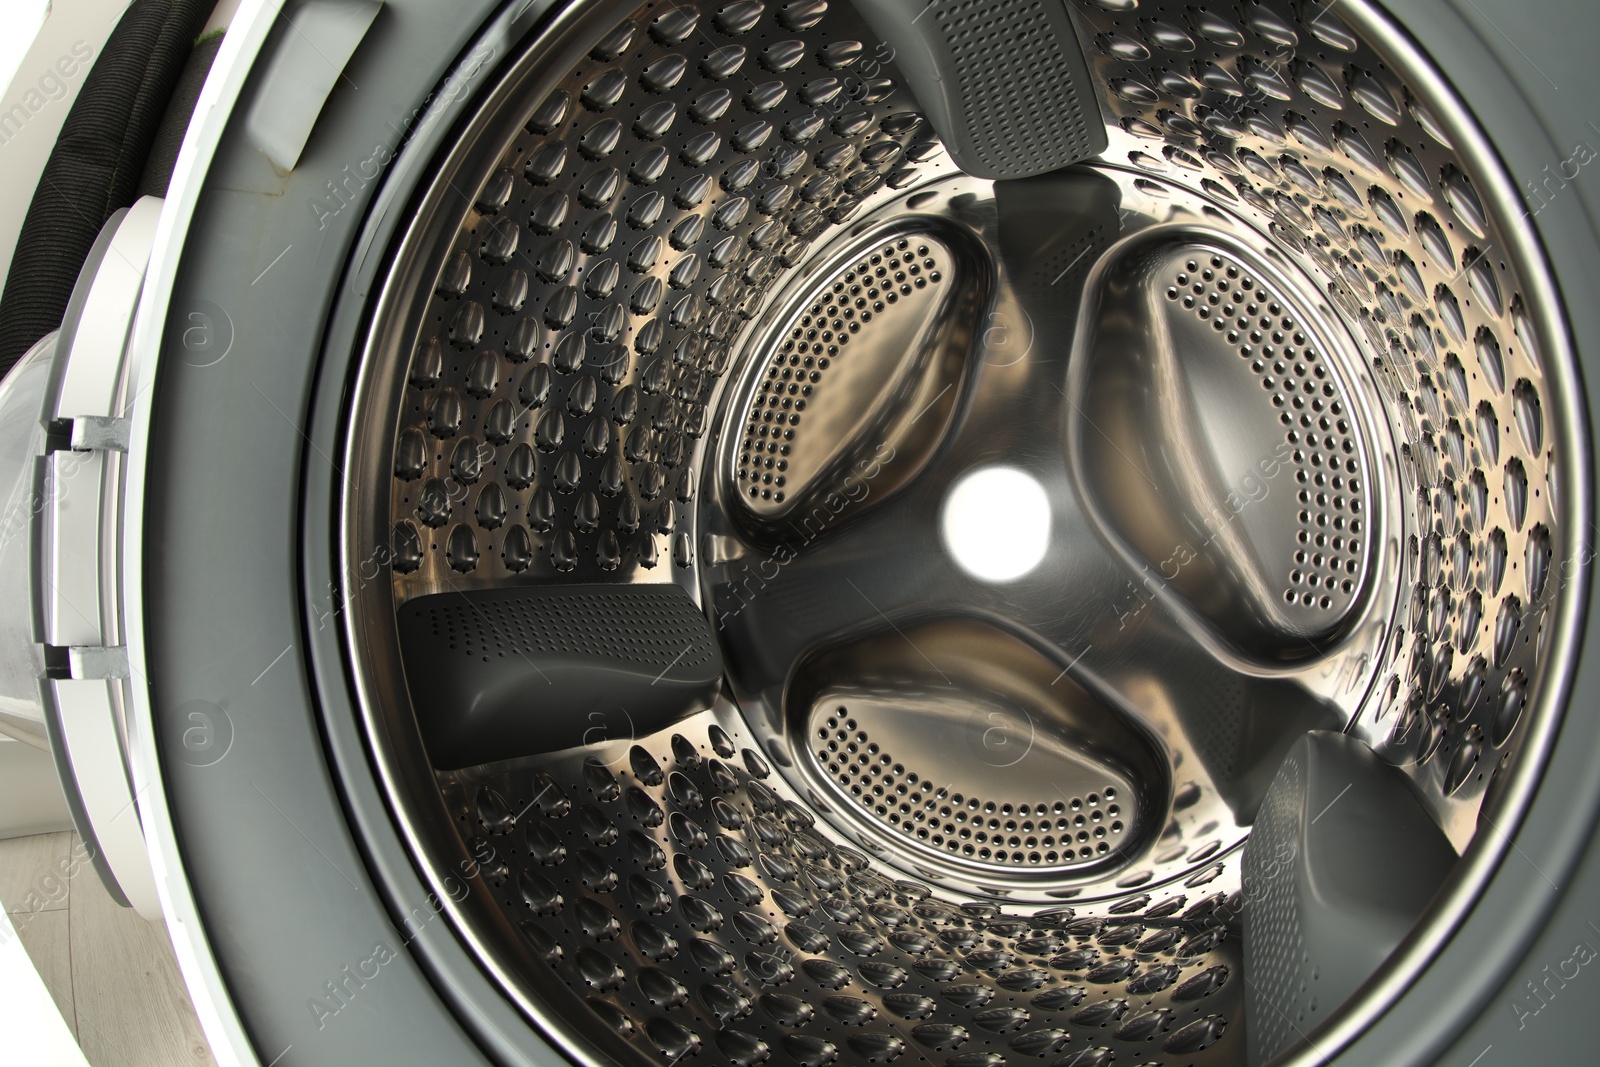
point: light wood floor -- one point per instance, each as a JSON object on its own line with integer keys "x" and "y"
{"x": 112, "y": 974}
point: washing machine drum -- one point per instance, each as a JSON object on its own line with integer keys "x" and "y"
{"x": 966, "y": 533}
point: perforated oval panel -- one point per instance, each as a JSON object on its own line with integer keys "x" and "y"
{"x": 842, "y": 352}
{"x": 1047, "y": 832}
{"x": 1319, "y": 435}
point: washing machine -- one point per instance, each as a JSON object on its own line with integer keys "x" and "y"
{"x": 965, "y": 532}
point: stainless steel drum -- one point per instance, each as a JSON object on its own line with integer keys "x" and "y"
{"x": 1035, "y": 520}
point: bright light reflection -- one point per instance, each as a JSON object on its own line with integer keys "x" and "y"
{"x": 996, "y": 523}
